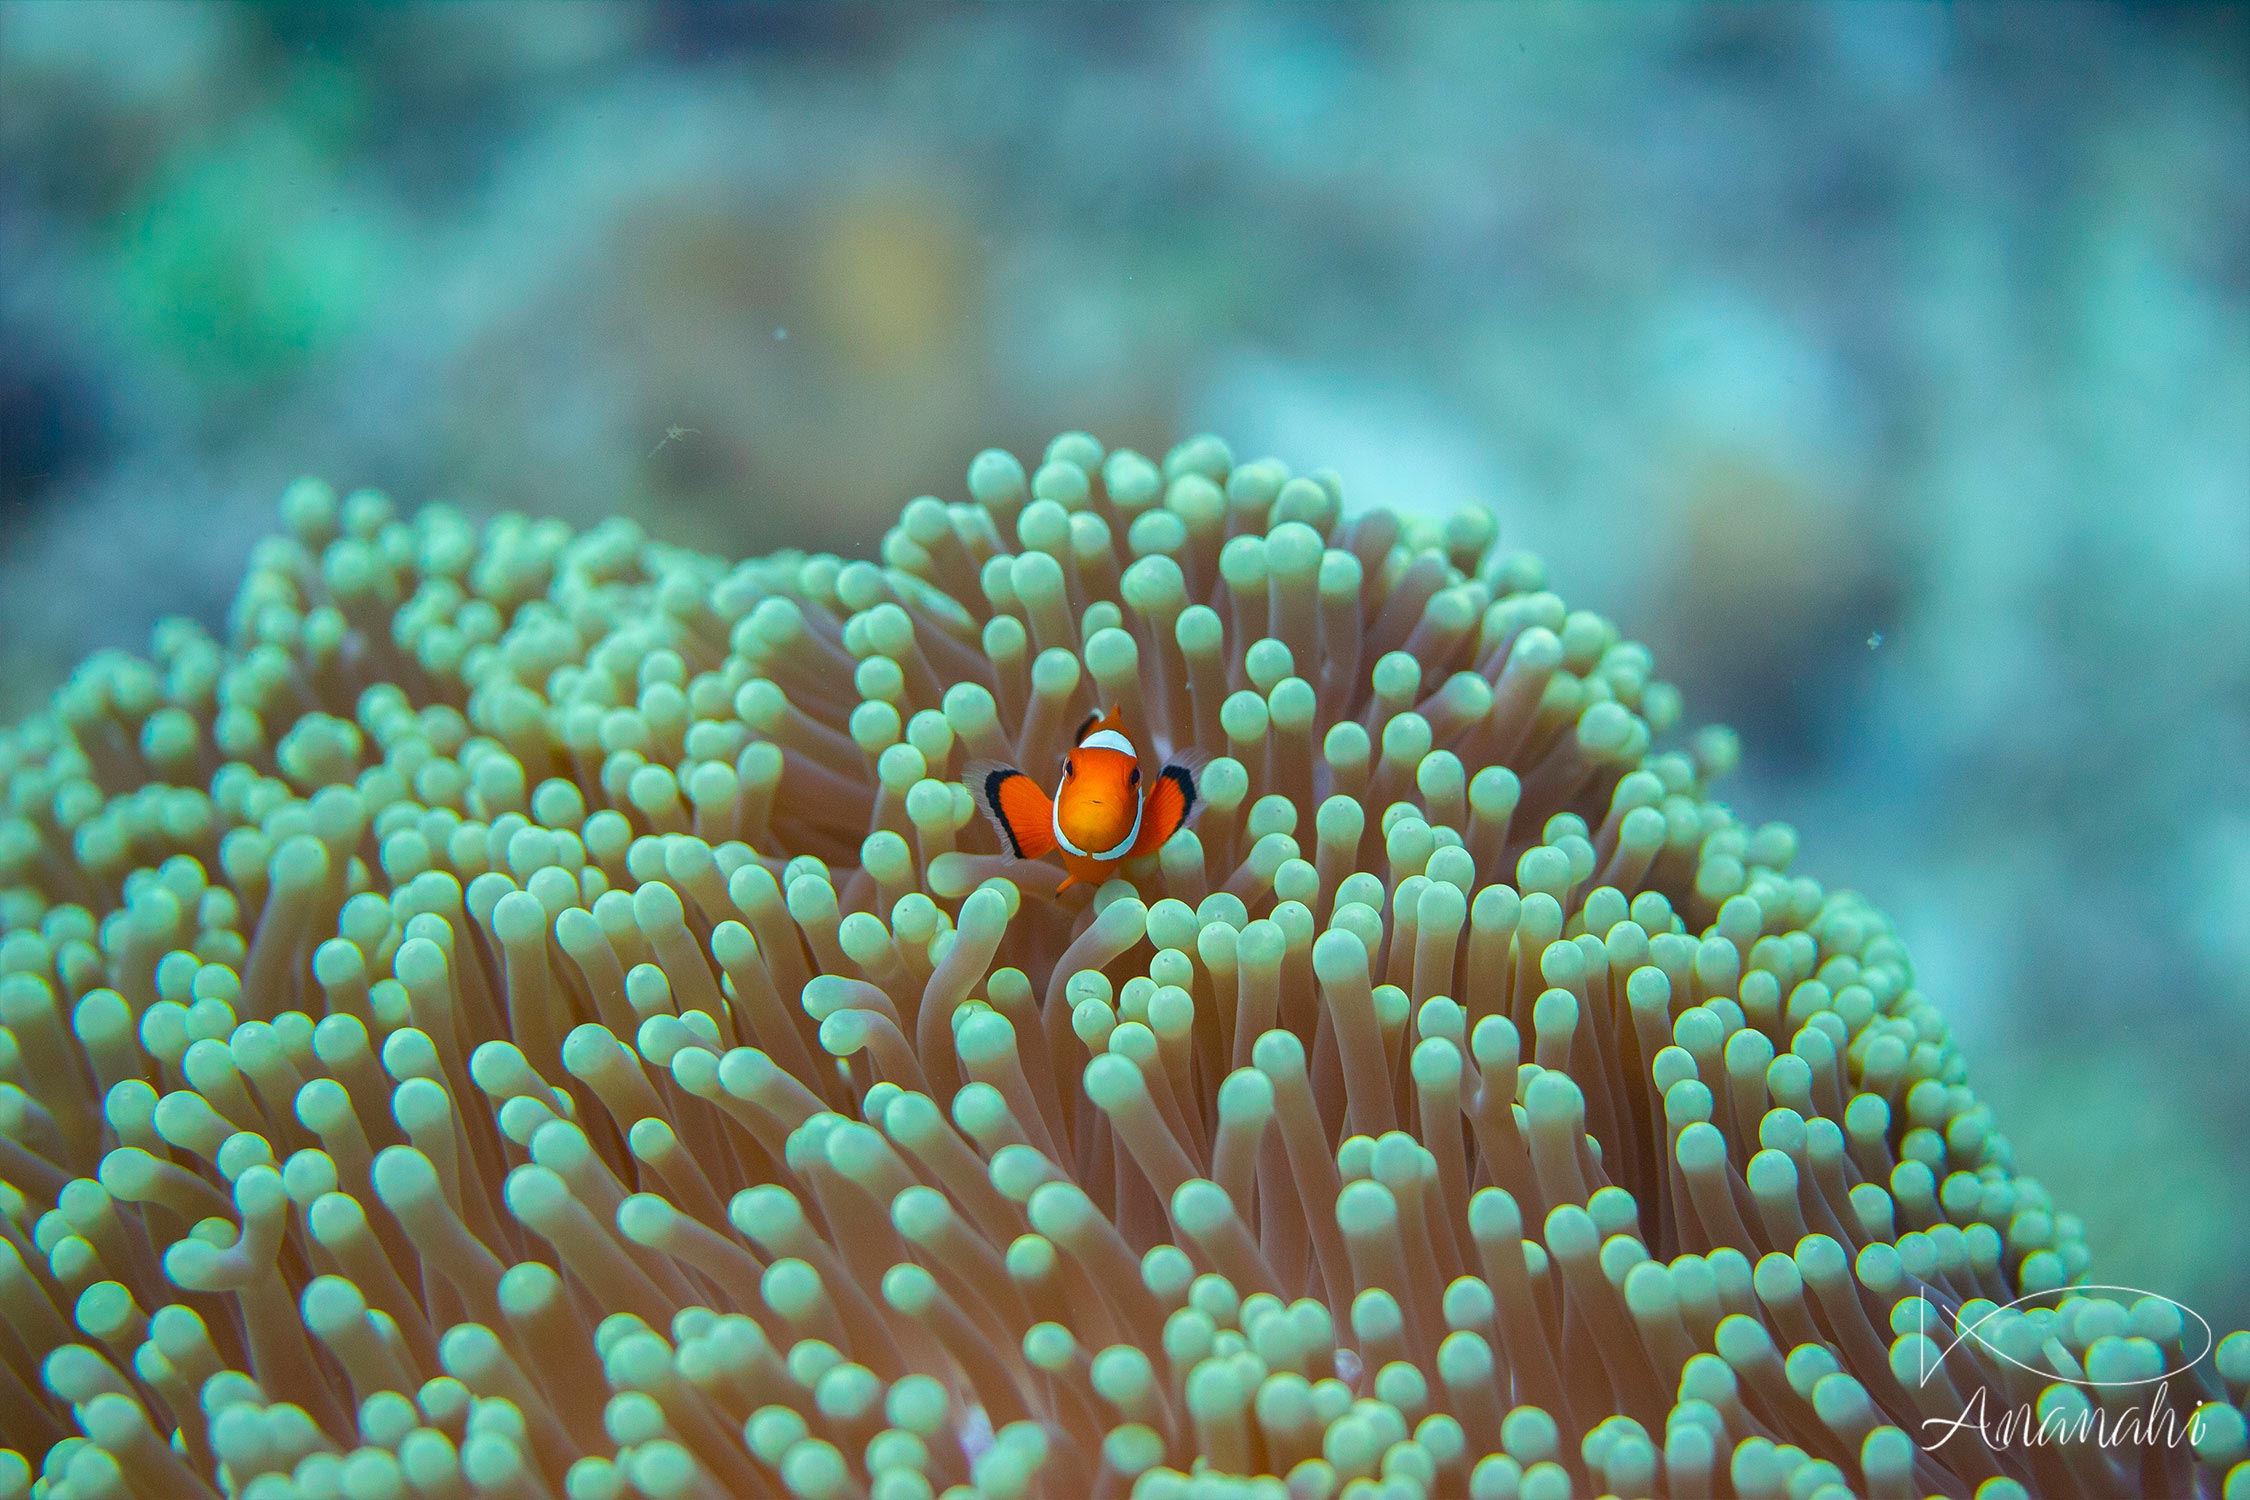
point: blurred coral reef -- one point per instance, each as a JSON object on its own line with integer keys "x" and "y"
{"x": 1896, "y": 359}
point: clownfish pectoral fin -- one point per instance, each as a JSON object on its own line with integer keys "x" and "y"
{"x": 1020, "y": 812}
{"x": 1171, "y": 804}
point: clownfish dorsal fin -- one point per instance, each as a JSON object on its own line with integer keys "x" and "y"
{"x": 1093, "y": 721}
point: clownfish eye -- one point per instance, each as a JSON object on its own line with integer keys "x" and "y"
{"x": 1135, "y": 778}
{"x": 1066, "y": 767}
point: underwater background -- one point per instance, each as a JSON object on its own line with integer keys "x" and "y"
{"x": 1885, "y": 368}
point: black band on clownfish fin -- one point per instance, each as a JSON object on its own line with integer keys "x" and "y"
{"x": 1086, "y": 728}
{"x": 1184, "y": 778}
{"x": 991, "y": 791}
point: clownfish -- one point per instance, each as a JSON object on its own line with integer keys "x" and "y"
{"x": 1104, "y": 811}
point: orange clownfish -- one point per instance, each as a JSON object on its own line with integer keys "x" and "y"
{"x": 1103, "y": 811}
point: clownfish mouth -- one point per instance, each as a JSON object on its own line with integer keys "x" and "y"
{"x": 1115, "y": 851}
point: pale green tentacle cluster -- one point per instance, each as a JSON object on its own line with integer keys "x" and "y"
{"x": 531, "y": 1015}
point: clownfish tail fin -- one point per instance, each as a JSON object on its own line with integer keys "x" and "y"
{"x": 1019, "y": 812}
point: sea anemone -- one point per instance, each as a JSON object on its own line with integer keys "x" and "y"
{"x": 531, "y": 1015}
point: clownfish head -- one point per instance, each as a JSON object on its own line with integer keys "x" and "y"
{"x": 1098, "y": 800}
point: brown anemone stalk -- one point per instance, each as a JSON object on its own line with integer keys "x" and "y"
{"x": 531, "y": 1015}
